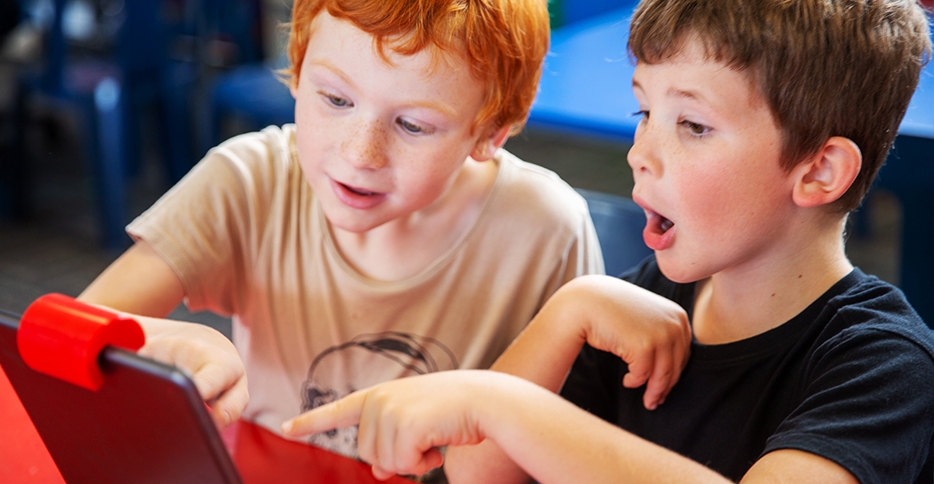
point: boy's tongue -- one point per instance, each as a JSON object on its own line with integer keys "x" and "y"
{"x": 658, "y": 234}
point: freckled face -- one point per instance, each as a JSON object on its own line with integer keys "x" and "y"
{"x": 706, "y": 165}
{"x": 376, "y": 141}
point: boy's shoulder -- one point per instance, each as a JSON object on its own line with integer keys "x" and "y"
{"x": 529, "y": 187}
{"x": 863, "y": 302}
{"x": 275, "y": 142}
{"x": 532, "y": 207}
{"x": 255, "y": 159}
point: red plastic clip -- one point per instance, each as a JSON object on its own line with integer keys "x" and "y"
{"x": 62, "y": 337}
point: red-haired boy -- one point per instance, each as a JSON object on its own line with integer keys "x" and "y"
{"x": 385, "y": 229}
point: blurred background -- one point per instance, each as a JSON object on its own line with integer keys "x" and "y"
{"x": 105, "y": 104}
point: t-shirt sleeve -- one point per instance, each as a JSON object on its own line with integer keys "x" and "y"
{"x": 582, "y": 255}
{"x": 868, "y": 406}
{"x": 200, "y": 226}
{"x": 587, "y": 249}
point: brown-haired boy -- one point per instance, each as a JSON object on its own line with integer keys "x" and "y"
{"x": 763, "y": 123}
{"x": 385, "y": 230}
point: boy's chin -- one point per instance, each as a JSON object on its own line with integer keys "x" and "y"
{"x": 674, "y": 272}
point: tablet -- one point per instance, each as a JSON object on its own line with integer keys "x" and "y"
{"x": 147, "y": 422}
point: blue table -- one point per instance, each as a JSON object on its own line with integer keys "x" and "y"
{"x": 585, "y": 89}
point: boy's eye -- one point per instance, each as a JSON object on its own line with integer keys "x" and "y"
{"x": 410, "y": 127}
{"x": 643, "y": 113}
{"x": 336, "y": 101}
{"x": 695, "y": 128}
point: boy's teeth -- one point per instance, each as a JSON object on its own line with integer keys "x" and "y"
{"x": 359, "y": 192}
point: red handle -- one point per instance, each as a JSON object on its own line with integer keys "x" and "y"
{"x": 62, "y": 337}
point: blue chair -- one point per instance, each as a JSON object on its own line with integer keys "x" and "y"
{"x": 108, "y": 91}
{"x": 213, "y": 37}
{"x": 103, "y": 92}
{"x": 619, "y": 223}
{"x": 251, "y": 94}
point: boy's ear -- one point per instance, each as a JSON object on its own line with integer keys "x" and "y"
{"x": 828, "y": 174}
{"x": 487, "y": 146}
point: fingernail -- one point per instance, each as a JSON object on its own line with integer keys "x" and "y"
{"x": 287, "y": 427}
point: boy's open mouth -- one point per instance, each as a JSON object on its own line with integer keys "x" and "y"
{"x": 658, "y": 233}
{"x": 356, "y": 197}
{"x": 358, "y": 191}
{"x": 656, "y": 223}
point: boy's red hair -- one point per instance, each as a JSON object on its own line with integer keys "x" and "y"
{"x": 504, "y": 43}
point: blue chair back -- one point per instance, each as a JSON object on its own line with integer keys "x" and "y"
{"x": 251, "y": 93}
{"x": 619, "y": 223}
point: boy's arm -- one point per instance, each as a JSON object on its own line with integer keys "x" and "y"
{"x": 139, "y": 282}
{"x": 402, "y": 422}
{"x": 649, "y": 332}
{"x": 142, "y": 285}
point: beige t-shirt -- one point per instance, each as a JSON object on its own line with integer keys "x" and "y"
{"x": 247, "y": 237}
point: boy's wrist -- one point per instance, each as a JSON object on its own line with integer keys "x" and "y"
{"x": 565, "y": 316}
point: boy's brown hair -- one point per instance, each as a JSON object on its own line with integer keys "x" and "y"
{"x": 504, "y": 43}
{"x": 825, "y": 67}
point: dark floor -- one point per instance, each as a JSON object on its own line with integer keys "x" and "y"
{"x": 57, "y": 250}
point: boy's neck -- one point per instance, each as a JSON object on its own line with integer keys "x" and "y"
{"x": 739, "y": 303}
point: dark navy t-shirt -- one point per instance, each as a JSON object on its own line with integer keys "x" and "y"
{"x": 851, "y": 378}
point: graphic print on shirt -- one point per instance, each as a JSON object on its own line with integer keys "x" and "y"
{"x": 362, "y": 362}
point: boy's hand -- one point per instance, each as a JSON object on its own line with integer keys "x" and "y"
{"x": 208, "y": 356}
{"x": 649, "y": 332}
{"x": 403, "y": 422}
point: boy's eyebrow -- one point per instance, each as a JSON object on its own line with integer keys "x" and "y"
{"x": 331, "y": 67}
{"x": 685, "y": 94}
{"x": 442, "y": 108}
{"x": 635, "y": 84}
{"x": 675, "y": 92}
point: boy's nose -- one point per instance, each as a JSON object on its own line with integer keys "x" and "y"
{"x": 365, "y": 146}
{"x": 642, "y": 156}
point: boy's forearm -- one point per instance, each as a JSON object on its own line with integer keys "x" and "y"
{"x": 554, "y": 441}
{"x": 139, "y": 282}
{"x": 544, "y": 352}
{"x": 484, "y": 462}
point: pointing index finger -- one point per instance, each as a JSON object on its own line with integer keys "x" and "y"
{"x": 342, "y": 413}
